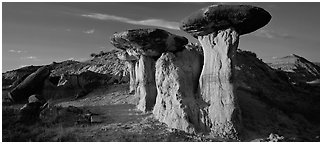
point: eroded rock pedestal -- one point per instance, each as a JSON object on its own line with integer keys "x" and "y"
{"x": 131, "y": 69}
{"x": 130, "y": 64}
{"x": 218, "y": 28}
{"x": 177, "y": 82}
{"x": 217, "y": 82}
{"x": 146, "y": 89}
{"x": 148, "y": 45}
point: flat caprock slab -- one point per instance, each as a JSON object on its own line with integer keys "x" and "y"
{"x": 243, "y": 18}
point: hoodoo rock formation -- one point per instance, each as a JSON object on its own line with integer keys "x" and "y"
{"x": 147, "y": 45}
{"x": 218, "y": 28}
{"x": 148, "y": 42}
{"x": 130, "y": 63}
{"x": 177, "y": 76}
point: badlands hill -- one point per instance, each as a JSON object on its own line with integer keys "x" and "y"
{"x": 297, "y": 68}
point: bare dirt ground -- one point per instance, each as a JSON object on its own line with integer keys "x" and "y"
{"x": 114, "y": 118}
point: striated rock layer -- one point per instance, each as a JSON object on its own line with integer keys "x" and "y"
{"x": 177, "y": 82}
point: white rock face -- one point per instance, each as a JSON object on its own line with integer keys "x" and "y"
{"x": 217, "y": 83}
{"x": 131, "y": 69}
{"x": 130, "y": 61}
{"x": 177, "y": 82}
{"x": 145, "y": 78}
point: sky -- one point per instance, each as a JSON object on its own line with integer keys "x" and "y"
{"x": 41, "y": 33}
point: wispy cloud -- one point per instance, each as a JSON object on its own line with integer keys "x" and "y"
{"x": 147, "y": 22}
{"x": 91, "y": 31}
{"x": 15, "y": 51}
{"x": 29, "y": 58}
{"x": 271, "y": 34}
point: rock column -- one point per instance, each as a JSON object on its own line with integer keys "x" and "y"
{"x": 218, "y": 28}
{"x": 130, "y": 62}
{"x": 131, "y": 69}
{"x": 217, "y": 84}
{"x": 177, "y": 81}
{"x": 146, "y": 89}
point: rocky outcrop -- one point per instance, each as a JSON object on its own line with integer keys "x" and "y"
{"x": 14, "y": 77}
{"x": 76, "y": 78}
{"x": 177, "y": 78}
{"x": 130, "y": 63}
{"x": 33, "y": 84}
{"x": 105, "y": 64}
{"x": 147, "y": 45}
{"x": 218, "y": 28}
{"x": 74, "y": 85}
{"x": 29, "y": 113}
{"x": 85, "y": 80}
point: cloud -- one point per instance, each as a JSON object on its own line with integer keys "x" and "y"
{"x": 29, "y": 58}
{"x": 147, "y": 22}
{"x": 91, "y": 31}
{"x": 15, "y": 51}
{"x": 271, "y": 34}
